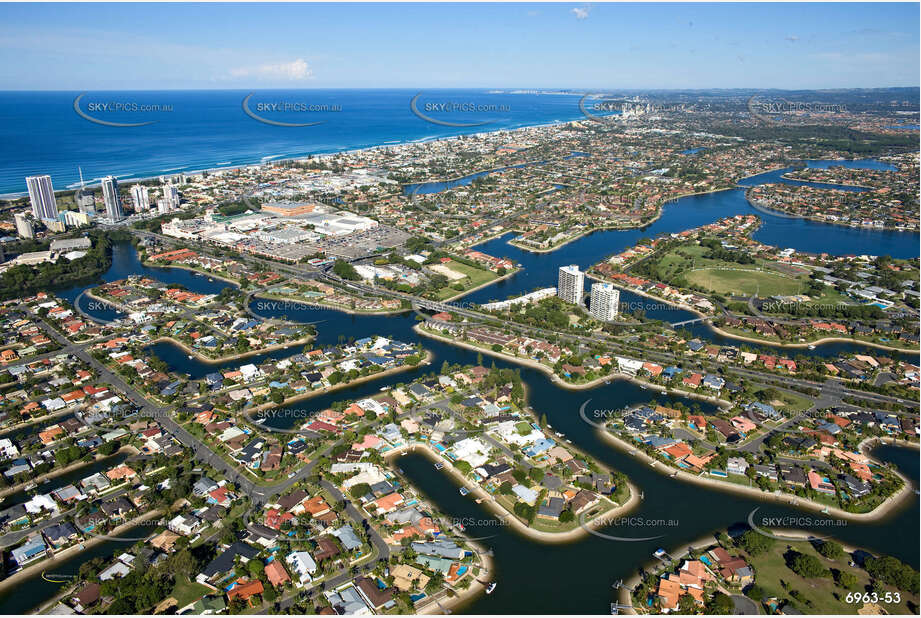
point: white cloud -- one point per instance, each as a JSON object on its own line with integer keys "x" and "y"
{"x": 295, "y": 70}
{"x": 581, "y": 13}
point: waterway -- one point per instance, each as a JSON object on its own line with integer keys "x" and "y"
{"x": 65, "y": 479}
{"x": 680, "y": 512}
{"x": 35, "y": 591}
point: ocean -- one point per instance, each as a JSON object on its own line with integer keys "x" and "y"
{"x": 194, "y": 130}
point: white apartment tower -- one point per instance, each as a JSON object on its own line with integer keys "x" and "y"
{"x": 605, "y": 301}
{"x": 41, "y": 194}
{"x": 23, "y": 225}
{"x": 571, "y": 284}
{"x": 111, "y": 198}
{"x": 171, "y": 195}
{"x": 141, "y": 197}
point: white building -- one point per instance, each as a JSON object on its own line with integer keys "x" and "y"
{"x": 73, "y": 218}
{"x": 23, "y": 225}
{"x": 141, "y": 197}
{"x": 112, "y": 199}
{"x": 571, "y": 284}
{"x": 303, "y": 565}
{"x": 605, "y": 301}
{"x": 171, "y": 195}
{"x": 41, "y": 194}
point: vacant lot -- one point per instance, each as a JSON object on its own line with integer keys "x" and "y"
{"x": 467, "y": 277}
{"x": 743, "y": 281}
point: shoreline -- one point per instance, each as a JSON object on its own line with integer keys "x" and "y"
{"x": 247, "y": 412}
{"x": 509, "y": 518}
{"x": 75, "y": 549}
{"x": 783, "y": 498}
{"x": 816, "y": 219}
{"x": 205, "y": 273}
{"x": 328, "y": 307}
{"x": 211, "y": 361}
{"x": 305, "y": 157}
{"x": 473, "y": 590}
{"x": 56, "y": 473}
{"x": 568, "y": 385}
{"x": 660, "y": 210}
{"x": 481, "y": 286}
{"x": 708, "y": 320}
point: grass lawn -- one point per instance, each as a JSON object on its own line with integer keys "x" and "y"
{"x": 793, "y": 403}
{"x": 474, "y": 277}
{"x": 186, "y": 592}
{"x": 771, "y": 569}
{"x": 746, "y": 282}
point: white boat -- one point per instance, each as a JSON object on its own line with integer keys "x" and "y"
{"x": 464, "y": 491}
{"x": 811, "y": 347}
{"x": 490, "y": 587}
{"x": 439, "y": 466}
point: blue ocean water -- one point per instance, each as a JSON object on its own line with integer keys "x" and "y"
{"x": 43, "y": 134}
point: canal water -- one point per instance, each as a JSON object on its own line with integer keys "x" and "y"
{"x": 577, "y": 577}
{"x": 65, "y": 479}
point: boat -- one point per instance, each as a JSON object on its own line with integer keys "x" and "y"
{"x": 659, "y": 553}
{"x": 439, "y": 465}
{"x": 811, "y": 347}
{"x": 490, "y": 587}
{"x": 191, "y": 357}
{"x": 461, "y": 527}
{"x": 464, "y": 491}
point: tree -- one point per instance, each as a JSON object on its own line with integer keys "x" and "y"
{"x": 893, "y": 572}
{"x": 807, "y": 565}
{"x": 755, "y": 543}
{"x": 847, "y": 580}
{"x": 345, "y": 270}
{"x": 831, "y": 550}
{"x": 720, "y": 604}
{"x": 360, "y": 489}
{"x": 255, "y": 568}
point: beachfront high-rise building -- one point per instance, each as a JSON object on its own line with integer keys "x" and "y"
{"x": 141, "y": 197}
{"x": 605, "y": 301}
{"x": 41, "y": 194}
{"x": 171, "y": 195}
{"x": 24, "y": 225}
{"x": 570, "y": 284}
{"x": 112, "y": 200}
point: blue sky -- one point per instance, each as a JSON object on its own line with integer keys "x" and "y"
{"x": 565, "y": 45}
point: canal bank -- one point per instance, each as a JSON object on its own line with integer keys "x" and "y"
{"x": 671, "y": 511}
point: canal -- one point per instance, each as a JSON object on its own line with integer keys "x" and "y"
{"x": 577, "y": 577}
